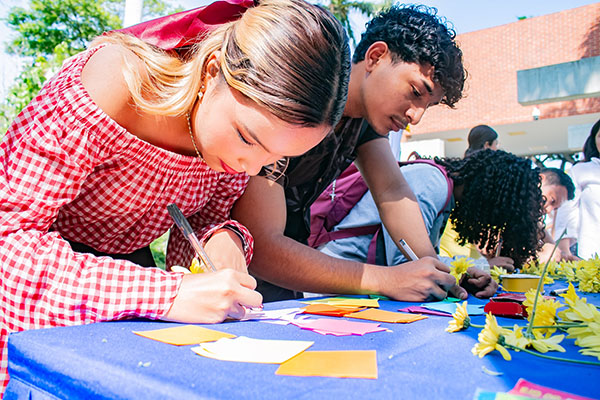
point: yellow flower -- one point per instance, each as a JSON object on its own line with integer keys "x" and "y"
{"x": 570, "y": 295}
{"x": 588, "y": 275}
{"x": 495, "y": 272}
{"x": 460, "y": 267}
{"x": 541, "y": 344}
{"x": 544, "y": 345}
{"x": 530, "y": 268}
{"x": 545, "y": 313}
{"x": 515, "y": 337}
{"x": 567, "y": 269}
{"x": 197, "y": 267}
{"x": 460, "y": 319}
{"x": 489, "y": 339}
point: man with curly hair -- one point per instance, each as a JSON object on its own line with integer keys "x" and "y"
{"x": 406, "y": 62}
{"x": 494, "y": 194}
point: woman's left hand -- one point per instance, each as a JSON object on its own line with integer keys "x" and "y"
{"x": 479, "y": 283}
{"x": 225, "y": 250}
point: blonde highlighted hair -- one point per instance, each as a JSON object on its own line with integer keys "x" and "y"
{"x": 288, "y": 56}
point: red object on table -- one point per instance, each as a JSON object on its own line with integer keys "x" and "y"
{"x": 503, "y": 308}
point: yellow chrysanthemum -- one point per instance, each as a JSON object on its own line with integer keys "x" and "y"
{"x": 545, "y": 313}
{"x": 460, "y": 319}
{"x": 538, "y": 342}
{"x": 495, "y": 272}
{"x": 530, "y": 268}
{"x": 570, "y": 295}
{"x": 544, "y": 345}
{"x": 197, "y": 267}
{"x": 588, "y": 276}
{"x": 460, "y": 267}
{"x": 567, "y": 270}
{"x": 579, "y": 310}
{"x": 515, "y": 337}
{"x": 489, "y": 338}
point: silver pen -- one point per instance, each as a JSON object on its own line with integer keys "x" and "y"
{"x": 407, "y": 251}
{"x": 183, "y": 224}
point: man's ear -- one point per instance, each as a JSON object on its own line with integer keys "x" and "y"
{"x": 374, "y": 54}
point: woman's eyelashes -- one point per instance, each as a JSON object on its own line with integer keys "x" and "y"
{"x": 243, "y": 139}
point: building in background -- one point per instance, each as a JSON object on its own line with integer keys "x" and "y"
{"x": 535, "y": 81}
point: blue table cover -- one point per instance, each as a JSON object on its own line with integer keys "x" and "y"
{"x": 416, "y": 361}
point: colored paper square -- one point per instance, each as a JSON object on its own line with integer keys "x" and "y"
{"x": 327, "y": 309}
{"x": 337, "y": 326}
{"x": 244, "y": 349}
{"x": 337, "y": 364}
{"x": 184, "y": 335}
{"x": 347, "y": 301}
{"x": 374, "y": 314}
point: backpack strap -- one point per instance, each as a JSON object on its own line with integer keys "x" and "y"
{"x": 337, "y": 205}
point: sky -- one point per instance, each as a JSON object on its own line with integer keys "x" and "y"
{"x": 465, "y": 15}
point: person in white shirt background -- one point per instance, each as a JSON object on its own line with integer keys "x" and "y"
{"x": 581, "y": 216}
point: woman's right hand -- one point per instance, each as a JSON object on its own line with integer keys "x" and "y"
{"x": 212, "y": 297}
{"x": 503, "y": 262}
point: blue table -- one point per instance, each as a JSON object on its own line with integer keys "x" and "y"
{"x": 415, "y": 361}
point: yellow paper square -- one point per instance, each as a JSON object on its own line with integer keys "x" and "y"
{"x": 183, "y": 335}
{"x": 337, "y": 364}
{"x": 386, "y": 316}
{"x": 347, "y": 302}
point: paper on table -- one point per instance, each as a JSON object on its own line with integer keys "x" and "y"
{"x": 271, "y": 314}
{"x": 529, "y": 389}
{"x": 338, "y": 364}
{"x": 183, "y": 335}
{"x": 338, "y": 327}
{"x": 346, "y": 301}
{"x": 246, "y": 349}
{"x": 327, "y": 309}
{"x": 450, "y": 308}
{"x": 374, "y": 314}
{"x": 423, "y": 310}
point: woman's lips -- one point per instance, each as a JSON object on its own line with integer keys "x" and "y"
{"x": 228, "y": 169}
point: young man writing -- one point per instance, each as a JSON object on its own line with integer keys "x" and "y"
{"x": 406, "y": 62}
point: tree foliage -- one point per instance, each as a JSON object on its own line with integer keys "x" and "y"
{"x": 49, "y": 31}
{"x": 342, "y": 9}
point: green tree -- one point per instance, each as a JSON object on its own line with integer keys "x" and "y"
{"x": 50, "y": 31}
{"x": 342, "y": 8}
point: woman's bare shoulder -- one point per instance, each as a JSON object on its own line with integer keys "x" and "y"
{"x": 103, "y": 79}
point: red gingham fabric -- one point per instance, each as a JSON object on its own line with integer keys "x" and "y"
{"x": 69, "y": 171}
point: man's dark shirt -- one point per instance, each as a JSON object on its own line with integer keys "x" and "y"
{"x": 307, "y": 176}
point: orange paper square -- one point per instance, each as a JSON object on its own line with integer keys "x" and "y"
{"x": 337, "y": 364}
{"x": 326, "y": 309}
{"x": 183, "y": 335}
{"x": 374, "y": 314}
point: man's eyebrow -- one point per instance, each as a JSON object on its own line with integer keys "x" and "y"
{"x": 427, "y": 86}
{"x": 253, "y": 136}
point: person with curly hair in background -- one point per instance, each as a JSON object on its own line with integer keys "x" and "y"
{"x": 580, "y": 217}
{"x": 494, "y": 194}
{"x": 406, "y": 61}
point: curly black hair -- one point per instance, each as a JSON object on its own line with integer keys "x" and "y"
{"x": 589, "y": 148}
{"x": 501, "y": 197}
{"x": 415, "y": 34}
